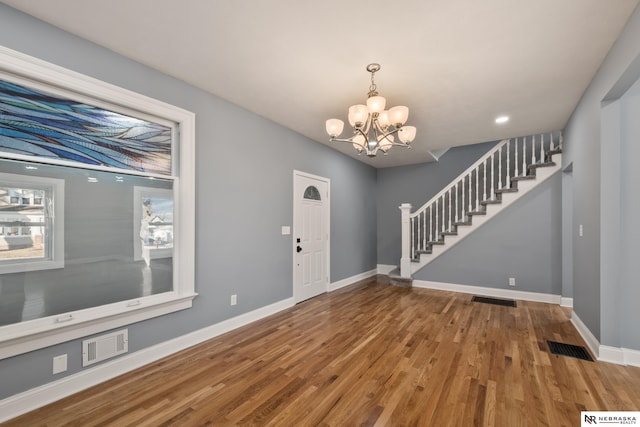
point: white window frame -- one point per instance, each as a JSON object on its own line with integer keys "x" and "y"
{"x": 54, "y": 259}
{"x": 39, "y": 333}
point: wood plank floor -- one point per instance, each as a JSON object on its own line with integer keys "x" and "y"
{"x": 369, "y": 354}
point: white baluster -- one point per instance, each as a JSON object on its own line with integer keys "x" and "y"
{"x": 515, "y": 163}
{"x": 423, "y": 227}
{"x": 524, "y": 156}
{"x": 456, "y": 203}
{"x": 500, "y": 167}
{"x": 561, "y": 141}
{"x": 484, "y": 181}
{"x": 542, "y": 148}
{"x": 508, "y": 177}
{"x": 533, "y": 149}
{"x": 437, "y": 224}
{"x": 430, "y": 221}
{"x": 493, "y": 173}
{"x": 462, "y": 205}
{"x": 444, "y": 218}
{"x": 477, "y": 205}
{"x": 470, "y": 195}
{"x": 551, "y": 148}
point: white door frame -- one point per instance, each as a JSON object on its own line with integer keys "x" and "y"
{"x": 327, "y": 213}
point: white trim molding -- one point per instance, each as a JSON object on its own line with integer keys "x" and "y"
{"x": 619, "y": 356}
{"x": 386, "y": 269}
{"x": 587, "y": 336}
{"x": 566, "y": 302}
{"x": 351, "y": 280}
{"x": 489, "y": 292}
{"x": 30, "y": 400}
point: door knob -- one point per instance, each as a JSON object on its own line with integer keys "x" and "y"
{"x": 298, "y": 249}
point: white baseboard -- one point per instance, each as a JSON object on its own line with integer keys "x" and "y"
{"x": 386, "y": 269}
{"x": 566, "y": 302}
{"x": 611, "y": 354}
{"x": 587, "y": 336}
{"x": 351, "y": 280}
{"x": 490, "y": 292}
{"x": 30, "y": 400}
{"x": 619, "y": 356}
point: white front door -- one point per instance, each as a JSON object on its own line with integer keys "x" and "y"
{"x": 310, "y": 235}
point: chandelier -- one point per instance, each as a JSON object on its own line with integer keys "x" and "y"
{"x": 373, "y": 126}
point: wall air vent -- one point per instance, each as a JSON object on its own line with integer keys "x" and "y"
{"x": 104, "y": 347}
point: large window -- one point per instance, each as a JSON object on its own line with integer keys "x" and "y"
{"x": 90, "y": 236}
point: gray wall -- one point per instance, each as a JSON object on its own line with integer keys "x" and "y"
{"x": 629, "y": 225}
{"x": 243, "y": 197}
{"x": 416, "y": 184}
{"x": 596, "y": 289}
{"x": 619, "y": 206}
{"x": 524, "y": 242}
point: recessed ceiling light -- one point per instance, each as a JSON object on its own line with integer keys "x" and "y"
{"x": 502, "y": 119}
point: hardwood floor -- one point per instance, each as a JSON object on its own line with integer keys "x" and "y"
{"x": 369, "y": 354}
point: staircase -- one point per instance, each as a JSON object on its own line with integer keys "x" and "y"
{"x": 507, "y": 172}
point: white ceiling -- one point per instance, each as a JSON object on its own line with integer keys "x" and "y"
{"x": 457, "y": 64}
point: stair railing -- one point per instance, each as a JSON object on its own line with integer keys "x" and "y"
{"x": 463, "y": 196}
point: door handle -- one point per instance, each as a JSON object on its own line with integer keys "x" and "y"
{"x": 298, "y": 249}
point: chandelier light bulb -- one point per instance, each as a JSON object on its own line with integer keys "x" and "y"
{"x": 407, "y": 134}
{"x": 334, "y": 127}
{"x": 359, "y": 143}
{"x": 398, "y": 115}
{"x": 376, "y": 104}
{"x": 383, "y": 120}
{"x": 358, "y": 115}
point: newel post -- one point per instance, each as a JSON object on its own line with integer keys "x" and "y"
{"x": 405, "y": 261}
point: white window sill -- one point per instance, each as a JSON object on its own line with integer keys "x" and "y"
{"x": 39, "y": 333}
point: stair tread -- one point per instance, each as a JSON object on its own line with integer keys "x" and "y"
{"x": 523, "y": 177}
{"x": 477, "y": 213}
{"x": 542, "y": 165}
{"x": 491, "y": 202}
{"x": 462, "y": 223}
{"x": 507, "y": 190}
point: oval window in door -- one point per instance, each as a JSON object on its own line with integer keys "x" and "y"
{"x": 311, "y": 193}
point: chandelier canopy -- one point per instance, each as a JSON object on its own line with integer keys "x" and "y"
{"x": 373, "y": 126}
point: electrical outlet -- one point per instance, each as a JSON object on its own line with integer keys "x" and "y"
{"x": 581, "y": 230}
{"x": 234, "y": 299}
{"x": 59, "y": 364}
{"x": 512, "y": 281}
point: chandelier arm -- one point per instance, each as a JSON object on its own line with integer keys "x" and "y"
{"x": 365, "y": 129}
{"x": 349, "y": 140}
{"x": 387, "y": 133}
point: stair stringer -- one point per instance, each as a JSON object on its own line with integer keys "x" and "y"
{"x": 492, "y": 210}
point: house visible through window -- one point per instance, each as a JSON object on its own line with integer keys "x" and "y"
{"x": 27, "y": 228}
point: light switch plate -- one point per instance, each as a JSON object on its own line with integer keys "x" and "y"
{"x": 286, "y": 230}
